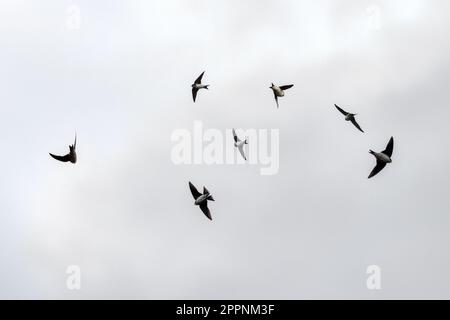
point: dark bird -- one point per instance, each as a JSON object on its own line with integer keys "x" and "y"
{"x": 202, "y": 199}
{"x": 240, "y": 144}
{"x": 349, "y": 117}
{"x": 278, "y": 91}
{"x": 71, "y": 156}
{"x": 197, "y": 85}
{"x": 383, "y": 157}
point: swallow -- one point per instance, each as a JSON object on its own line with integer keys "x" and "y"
{"x": 71, "y": 156}
{"x": 349, "y": 117}
{"x": 240, "y": 144}
{"x": 201, "y": 200}
{"x": 279, "y": 91}
{"x": 197, "y": 85}
{"x": 383, "y": 157}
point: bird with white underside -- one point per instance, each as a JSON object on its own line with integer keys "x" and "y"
{"x": 197, "y": 85}
{"x": 240, "y": 144}
{"x": 201, "y": 200}
{"x": 349, "y": 117}
{"x": 383, "y": 157}
{"x": 278, "y": 91}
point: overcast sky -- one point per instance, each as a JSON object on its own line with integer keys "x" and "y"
{"x": 124, "y": 212}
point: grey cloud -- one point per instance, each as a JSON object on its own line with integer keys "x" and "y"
{"x": 124, "y": 212}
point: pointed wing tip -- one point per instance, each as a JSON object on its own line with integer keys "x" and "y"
{"x": 345, "y": 113}
{"x": 60, "y": 158}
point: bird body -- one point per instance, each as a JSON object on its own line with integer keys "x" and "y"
{"x": 380, "y": 156}
{"x": 278, "y": 92}
{"x": 201, "y": 199}
{"x": 240, "y": 144}
{"x": 200, "y": 86}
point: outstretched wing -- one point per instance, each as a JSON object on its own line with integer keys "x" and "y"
{"x": 276, "y": 98}
{"x": 65, "y": 158}
{"x": 194, "y": 93}
{"x": 205, "y": 209}
{"x": 389, "y": 147}
{"x": 199, "y": 79}
{"x": 380, "y": 165}
{"x": 286, "y": 87}
{"x": 345, "y": 113}
{"x": 356, "y": 125}
{"x": 241, "y": 150}
{"x": 236, "y": 139}
{"x": 194, "y": 191}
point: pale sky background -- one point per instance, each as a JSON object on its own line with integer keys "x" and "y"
{"x": 124, "y": 212}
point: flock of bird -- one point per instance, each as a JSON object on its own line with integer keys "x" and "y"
{"x": 201, "y": 199}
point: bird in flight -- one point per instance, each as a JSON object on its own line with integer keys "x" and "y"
{"x": 278, "y": 91}
{"x": 201, "y": 200}
{"x": 240, "y": 144}
{"x": 349, "y": 117}
{"x": 383, "y": 157}
{"x": 197, "y": 85}
{"x": 71, "y": 156}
